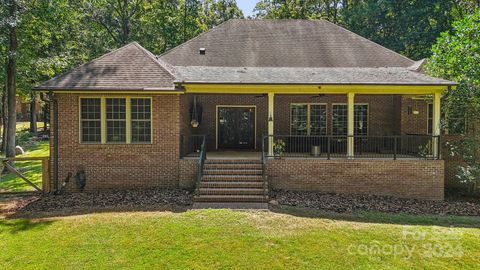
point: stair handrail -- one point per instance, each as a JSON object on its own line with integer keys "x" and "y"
{"x": 201, "y": 163}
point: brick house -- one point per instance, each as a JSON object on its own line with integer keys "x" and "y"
{"x": 252, "y": 105}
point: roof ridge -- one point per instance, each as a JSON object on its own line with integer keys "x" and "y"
{"x": 84, "y": 64}
{"x": 152, "y": 57}
{"x": 376, "y": 44}
{"x": 196, "y": 37}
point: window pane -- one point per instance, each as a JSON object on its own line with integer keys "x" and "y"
{"x": 430, "y": 118}
{"x": 141, "y": 108}
{"x": 299, "y": 119}
{"x": 141, "y": 131}
{"x": 318, "y": 119}
{"x": 340, "y": 118}
{"x": 91, "y": 131}
{"x": 116, "y": 131}
{"x": 116, "y": 108}
{"x": 141, "y": 123}
{"x": 90, "y": 120}
{"x": 116, "y": 120}
{"x": 361, "y": 119}
{"x": 90, "y": 108}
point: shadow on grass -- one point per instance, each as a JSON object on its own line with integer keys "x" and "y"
{"x": 67, "y": 212}
{"x": 383, "y": 218}
{"x": 14, "y": 226}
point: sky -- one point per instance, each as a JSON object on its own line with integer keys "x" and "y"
{"x": 247, "y": 6}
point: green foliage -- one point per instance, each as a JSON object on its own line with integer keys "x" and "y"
{"x": 54, "y": 36}
{"x": 279, "y": 147}
{"x": 409, "y": 27}
{"x": 456, "y": 56}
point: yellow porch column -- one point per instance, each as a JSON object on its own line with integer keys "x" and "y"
{"x": 436, "y": 122}
{"x": 351, "y": 126}
{"x": 270, "y": 122}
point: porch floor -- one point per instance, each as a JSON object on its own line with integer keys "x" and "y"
{"x": 234, "y": 155}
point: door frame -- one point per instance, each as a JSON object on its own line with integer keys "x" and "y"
{"x": 237, "y": 106}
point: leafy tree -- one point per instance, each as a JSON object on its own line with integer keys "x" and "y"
{"x": 11, "y": 87}
{"x": 395, "y": 24}
{"x": 217, "y": 11}
{"x": 456, "y": 57}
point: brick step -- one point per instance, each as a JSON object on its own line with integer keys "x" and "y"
{"x": 226, "y": 184}
{"x": 231, "y": 172}
{"x": 230, "y": 198}
{"x": 230, "y": 205}
{"x": 232, "y": 191}
{"x": 232, "y": 178}
{"x": 251, "y": 166}
{"x": 233, "y": 161}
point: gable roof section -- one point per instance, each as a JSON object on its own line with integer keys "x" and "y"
{"x": 283, "y": 43}
{"x": 273, "y": 75}
{"x": 130, "y": 67}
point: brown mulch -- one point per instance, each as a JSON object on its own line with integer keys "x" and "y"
{"x": 452, "y": 205}
{"x": 76, "y": 203}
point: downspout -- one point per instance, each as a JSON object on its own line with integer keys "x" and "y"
{"x": 54, "y": 102}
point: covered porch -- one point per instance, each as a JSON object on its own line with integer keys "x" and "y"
{"x": 365, "y": 125}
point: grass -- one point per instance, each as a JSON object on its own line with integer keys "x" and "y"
{"x": 225, "y": 239}
{"x": 31, "y": 169}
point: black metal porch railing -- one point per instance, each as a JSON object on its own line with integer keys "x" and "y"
{"x": 367, "y": 147}
{"x": 190, "y": 145}
{"x": 201, "y": 163}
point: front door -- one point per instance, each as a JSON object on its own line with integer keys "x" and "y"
{"x": 236, "y": 127}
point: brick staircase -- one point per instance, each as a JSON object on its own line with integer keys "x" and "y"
{"x": 230, "y": 183}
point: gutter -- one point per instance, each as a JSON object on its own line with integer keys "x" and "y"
{"x": 318, "y": 83}
{"x": 54, "y": 102}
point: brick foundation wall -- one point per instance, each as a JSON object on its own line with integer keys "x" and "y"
{"x": 121, "y": 166}
{"x": 419, "y": 179}
{"x": 187, "y": 173}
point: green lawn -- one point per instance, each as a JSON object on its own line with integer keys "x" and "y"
{"x": 31, "y": 169}
{"x": 225, "y": 239}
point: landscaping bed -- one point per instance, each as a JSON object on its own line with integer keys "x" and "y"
{"x": 452, "y": 205}
{"x": 91, "y": 202}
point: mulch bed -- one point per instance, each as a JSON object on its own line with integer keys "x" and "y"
{"x": 452, "y": 205}
{"x": 91, "y": 202}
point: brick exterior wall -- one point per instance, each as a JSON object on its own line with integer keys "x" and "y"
{"x": 413, "y": 123}
{"x": 382, "y": 111}
{"x": 421, "y": 179}
{"x": 121, "y": 166}
{"x": 187, "y": 173}
{"x": 209, "y": 104}
{"x": 388, "y": 114}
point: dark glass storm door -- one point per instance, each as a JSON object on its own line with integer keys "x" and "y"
{"x": 236, "y": 127}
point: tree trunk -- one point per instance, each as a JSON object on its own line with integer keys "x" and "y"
{"x": 11, "y": 84}
{"x": 5, "y": 121}
{"x": 33, "y": 115}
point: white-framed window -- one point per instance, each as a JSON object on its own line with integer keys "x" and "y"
{"x": 117, "y": 120}
{"x": 340, "y": 119}
{"x": 308, "y": 119}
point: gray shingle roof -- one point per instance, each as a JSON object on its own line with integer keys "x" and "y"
{"x": 130, "y": 67}
{"x": 283, "y": 43}
{"x": 273, "y": 75}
